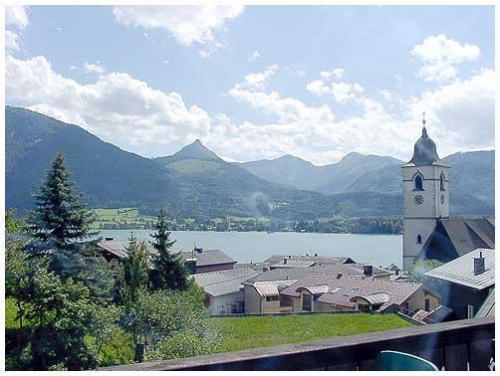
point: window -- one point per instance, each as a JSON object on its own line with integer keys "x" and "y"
{"x": 419, "y": 183}
{"x": 419, "y": 239}
{"x": 272, "y": 298}
{"x": 306, "y": 303}
{"x": 427, "y": 304}
{"x": 441, "y": 182}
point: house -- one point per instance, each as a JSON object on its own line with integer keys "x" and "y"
{"x": 324, "y": 292}
{"x": 429, "y": 232}
{"x": 209, "y": 260}
{"x": 300, "y": 261}
{"x": 263, "y": 293}
{"x": 465, "y": 283}
{"x": 198, "y": 260}
{"x": 224, "y": 289}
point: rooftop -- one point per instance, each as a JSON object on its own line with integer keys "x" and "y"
{"x": 224, "y": 282}
{"x": 204, "y": 257}
{"x": 461, "y": 270}
{"x": 342, "y": 291}
{"x": 424, "y": 151}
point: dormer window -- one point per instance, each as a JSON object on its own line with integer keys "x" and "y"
{"x": 441, "y": 182}
{"x": 419, "y": 183}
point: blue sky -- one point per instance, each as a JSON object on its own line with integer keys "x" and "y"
{"x": 248, "y": 81}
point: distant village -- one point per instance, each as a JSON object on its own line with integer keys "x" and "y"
{"x": 462, "y": 286}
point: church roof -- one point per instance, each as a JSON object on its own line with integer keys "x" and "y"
{"x": 455, "y": 237}
{"x": 424, "y": 151}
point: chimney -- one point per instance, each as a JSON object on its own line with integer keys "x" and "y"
{"x": 190, "y": 265}
{"x": 479, "y": 267}
{"x": 368, "y": 270}
{"x": 284, "y": 261}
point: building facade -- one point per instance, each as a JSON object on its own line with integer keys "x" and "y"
{"x": 426, "y": 196}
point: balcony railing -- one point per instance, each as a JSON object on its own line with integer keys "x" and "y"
{"x": 455, "y": 345}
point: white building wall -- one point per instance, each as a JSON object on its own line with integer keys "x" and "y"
{"x": 420, "y": 219}
{"x": 221, "y": 305}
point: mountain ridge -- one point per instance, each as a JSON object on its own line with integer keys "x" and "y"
{"x": 195, "y": 182}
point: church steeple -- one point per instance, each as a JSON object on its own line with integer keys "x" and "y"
{"x": 424, "y": 151}
{"x": 426, "y": 195}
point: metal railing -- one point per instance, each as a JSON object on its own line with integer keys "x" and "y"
{"x": 454, "y": 345}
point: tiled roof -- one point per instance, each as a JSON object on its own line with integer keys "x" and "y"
{"x": 454, "y": 237}
{"x": 488, "y": 307}
{"x": 278, "y": 259}
{"x": 461, "y": 270}
{"x": 341, "y": 290}
{"x": 204, "y": 258}
{"x": 469, "y": 234}
{"x": 115, "y": 247}
{"x": 293, "y": 264}
{"x": 208, "y": 257}
{"x": 272, "y": 288}
{"x": 224, "y": 282}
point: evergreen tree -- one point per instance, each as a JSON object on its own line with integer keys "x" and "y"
{"x": 134, "y": 271}
{"x": 61, "y": 221}
{"x": 169, "y": 270}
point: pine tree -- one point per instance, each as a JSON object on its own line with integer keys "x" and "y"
{"x": 61, "y": 222}
{"x": 169, "y": 270}
{"x": 135, "y": 270}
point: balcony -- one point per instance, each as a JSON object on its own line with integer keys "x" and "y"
{"x": 456, "y": 345}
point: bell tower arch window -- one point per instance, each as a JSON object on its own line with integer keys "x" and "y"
{"x": 441, "y": 182}
{"x": 419, "y": 182}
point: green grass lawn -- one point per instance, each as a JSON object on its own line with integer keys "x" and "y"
{"x": 125, "y": 218}
{"x": 241, "y": 333}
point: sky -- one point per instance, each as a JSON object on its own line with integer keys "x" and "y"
{"x": 255, "y": 82}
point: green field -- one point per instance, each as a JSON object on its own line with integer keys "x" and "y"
{"x": 122, "y": 218}
{"x": 241, "y": 333}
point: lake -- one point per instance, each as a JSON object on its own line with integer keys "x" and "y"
{"x": 257, "y": 246}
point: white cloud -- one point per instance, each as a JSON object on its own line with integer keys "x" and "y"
{"x": 343, "y": 92}
{"x": 256, "y": 81}
{"x": 131, "y": 114}
{"x": 94, "y": 68}
{"x": 333, "y": 74}
{"x": 462, "y": 113}
{"x": 440, "y": 56}
{"x": 11, "y": 40}
{"x": 254, "y": 56}
{"x": 16, "y": 16}
{"x": 200, "y": 25}
{"x": 116, "y": 107}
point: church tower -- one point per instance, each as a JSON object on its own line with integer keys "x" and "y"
{"x": 426, "y": 196}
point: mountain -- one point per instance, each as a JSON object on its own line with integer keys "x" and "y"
{"x": 109, "y": 176}
{"x": 472, "y": 182}
{"x": 287, "y": 170}
{"x": 196, "y": 183}
{"x": 350, "y": 168}
{"x": 329, "y": 179}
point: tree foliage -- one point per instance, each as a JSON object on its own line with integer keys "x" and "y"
{"x": 134, "y": 272}
{"x": 168, "y": 268}
{"x": 420, "y": 267}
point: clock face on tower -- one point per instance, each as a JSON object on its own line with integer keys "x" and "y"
{"x": 418, "y": 199}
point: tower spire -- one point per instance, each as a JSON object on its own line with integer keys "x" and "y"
{"x": 424, "y": 130}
